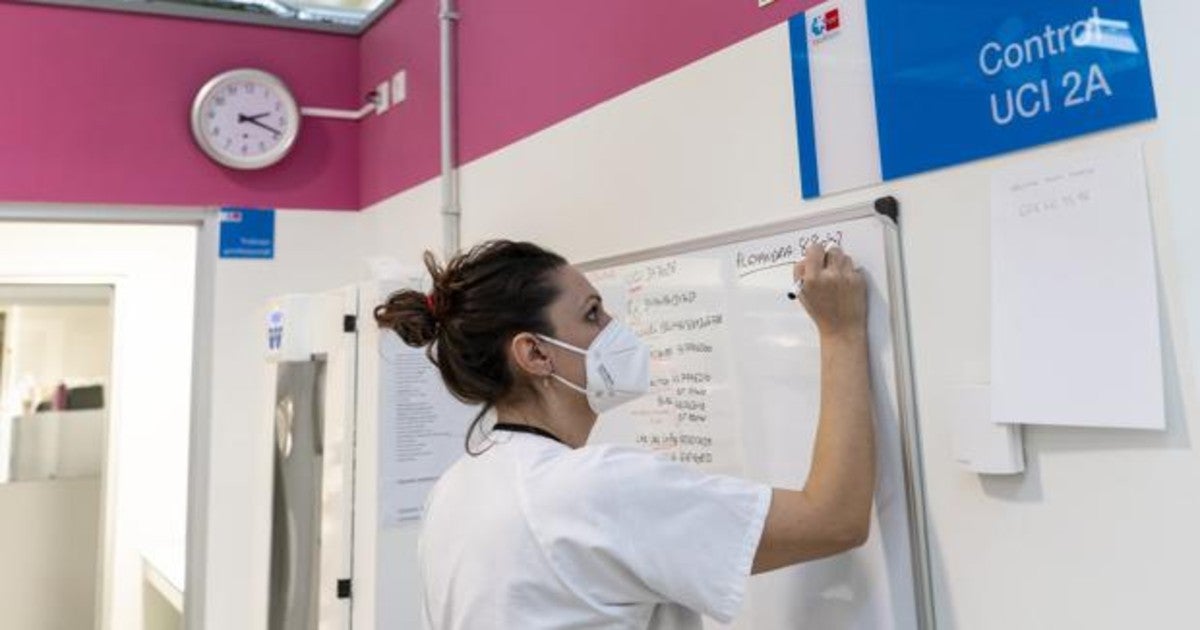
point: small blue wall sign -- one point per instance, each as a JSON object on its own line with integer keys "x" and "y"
{"x": 247, "y": 233}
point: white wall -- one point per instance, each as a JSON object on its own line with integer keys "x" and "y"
{"x": 1098, "y": 533}
{"x": 314, "y": 251}
{"x": 53, "y": 342}
{"x": 152, "y": 268}
{"x": 386, "y": 589}
{"x": 1173, "y": 62}
{"x": 48, "y": 539}
{"x": 311, "y": 254}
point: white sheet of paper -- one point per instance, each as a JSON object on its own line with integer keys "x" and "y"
{"x": 421, "y": 430}
{"x": 1075, "y": 318}
{"x": 979, "y": 444}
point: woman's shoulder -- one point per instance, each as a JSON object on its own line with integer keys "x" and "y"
{"x": 593, "y": 459}
{"x": 600, "y": 474}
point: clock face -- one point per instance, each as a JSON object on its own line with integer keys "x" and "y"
{"x": 245, "y": 119}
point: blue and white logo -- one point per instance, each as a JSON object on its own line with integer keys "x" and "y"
{"x": 275, "y": 330}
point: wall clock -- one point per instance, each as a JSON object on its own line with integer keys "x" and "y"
{"x": 245, "y": 119}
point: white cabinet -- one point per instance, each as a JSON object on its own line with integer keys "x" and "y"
{"x": 57, "y": 445}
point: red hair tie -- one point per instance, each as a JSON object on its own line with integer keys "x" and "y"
{"x": 429, "y": 304}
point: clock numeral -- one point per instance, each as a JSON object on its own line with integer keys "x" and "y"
{"x": 233, "y": 89}
{"x": 228, "y": 142}
{"x": 212, "y": 115}
{"x": 216, "y": 131}
{"x": 244, "y": 149}
{"x": 282, "y": 121}
{"x": 220, "y": 100}
{"x": 262, "y": 146}
{"x": 249, "y": 88}
{"x": 278, "y": 106}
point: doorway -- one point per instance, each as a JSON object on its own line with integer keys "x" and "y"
{"x": 54, "y": 371}
{"x": 149, "y": 274}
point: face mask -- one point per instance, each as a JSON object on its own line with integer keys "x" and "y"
{"x": 618, "y": 367}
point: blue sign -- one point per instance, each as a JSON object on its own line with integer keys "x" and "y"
{"x": 247, "y": 233}
{"x": 956, "y": 81}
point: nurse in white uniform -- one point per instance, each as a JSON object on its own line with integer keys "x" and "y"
{"x": 535, "y": 529}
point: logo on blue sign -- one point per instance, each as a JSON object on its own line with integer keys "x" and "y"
{"x": 826, "y": 24}
{"x": 818, "y": 26}
{"x": 275, "y": 330}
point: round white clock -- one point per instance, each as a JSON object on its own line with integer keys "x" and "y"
{"x": 245, "y": 119}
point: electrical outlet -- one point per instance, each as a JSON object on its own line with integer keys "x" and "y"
{"x": 382, "y": 100}
{"x": 399, "y": 87}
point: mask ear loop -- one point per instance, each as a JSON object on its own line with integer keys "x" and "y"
{"x": 561, "y": 344}
{"x": 566, "y": 346}
{"x": 568, "y": 383}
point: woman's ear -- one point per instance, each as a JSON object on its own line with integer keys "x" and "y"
{"x": 527, "y": 354}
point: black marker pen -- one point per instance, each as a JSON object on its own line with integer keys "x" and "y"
{"x": 794, "y": 294}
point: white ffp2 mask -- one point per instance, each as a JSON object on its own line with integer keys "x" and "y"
{"x": 617, "y": 363}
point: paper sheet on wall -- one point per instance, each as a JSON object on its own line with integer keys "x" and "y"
{"x": 421, "y": 430}
{"x": 1075, "y": 327}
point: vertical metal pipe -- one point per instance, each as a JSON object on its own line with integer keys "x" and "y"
{"x": 451, "y": 210}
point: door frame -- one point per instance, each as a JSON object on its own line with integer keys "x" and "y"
{"x": 207, "y": 222}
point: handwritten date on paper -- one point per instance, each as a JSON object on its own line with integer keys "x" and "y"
{"x": 1054, "y": 193}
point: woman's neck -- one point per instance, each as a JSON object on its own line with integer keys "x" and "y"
{"x": 572, "y": 429}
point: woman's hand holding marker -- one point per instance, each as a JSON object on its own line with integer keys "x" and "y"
{"x": 832, "y": 290}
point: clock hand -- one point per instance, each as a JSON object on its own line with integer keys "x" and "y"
{"x": 255, "y": 122}
{"x": 254, "y": 117}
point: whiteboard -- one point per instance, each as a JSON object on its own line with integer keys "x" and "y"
{"x": 735, "y": 389}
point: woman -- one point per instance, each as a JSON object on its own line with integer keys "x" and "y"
{"x": 534, "y": 529}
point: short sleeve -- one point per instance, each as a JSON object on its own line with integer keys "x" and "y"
{"x": 622, "y": 526}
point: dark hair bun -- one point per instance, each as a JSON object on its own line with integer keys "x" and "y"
{"x": 407, "y": 312}
{"x": 412, "y": 314}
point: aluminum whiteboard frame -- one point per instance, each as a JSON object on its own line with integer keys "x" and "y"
{"x": 910, "y": 443}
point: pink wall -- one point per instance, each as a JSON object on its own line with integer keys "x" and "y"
{"x": 95, "y": 109}
{"x": 401, "y": 148}
{"x": 96, "y": 103}
{"x": 525, "y": 65}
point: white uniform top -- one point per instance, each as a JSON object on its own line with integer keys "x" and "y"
{"x": 533, "y": 535}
